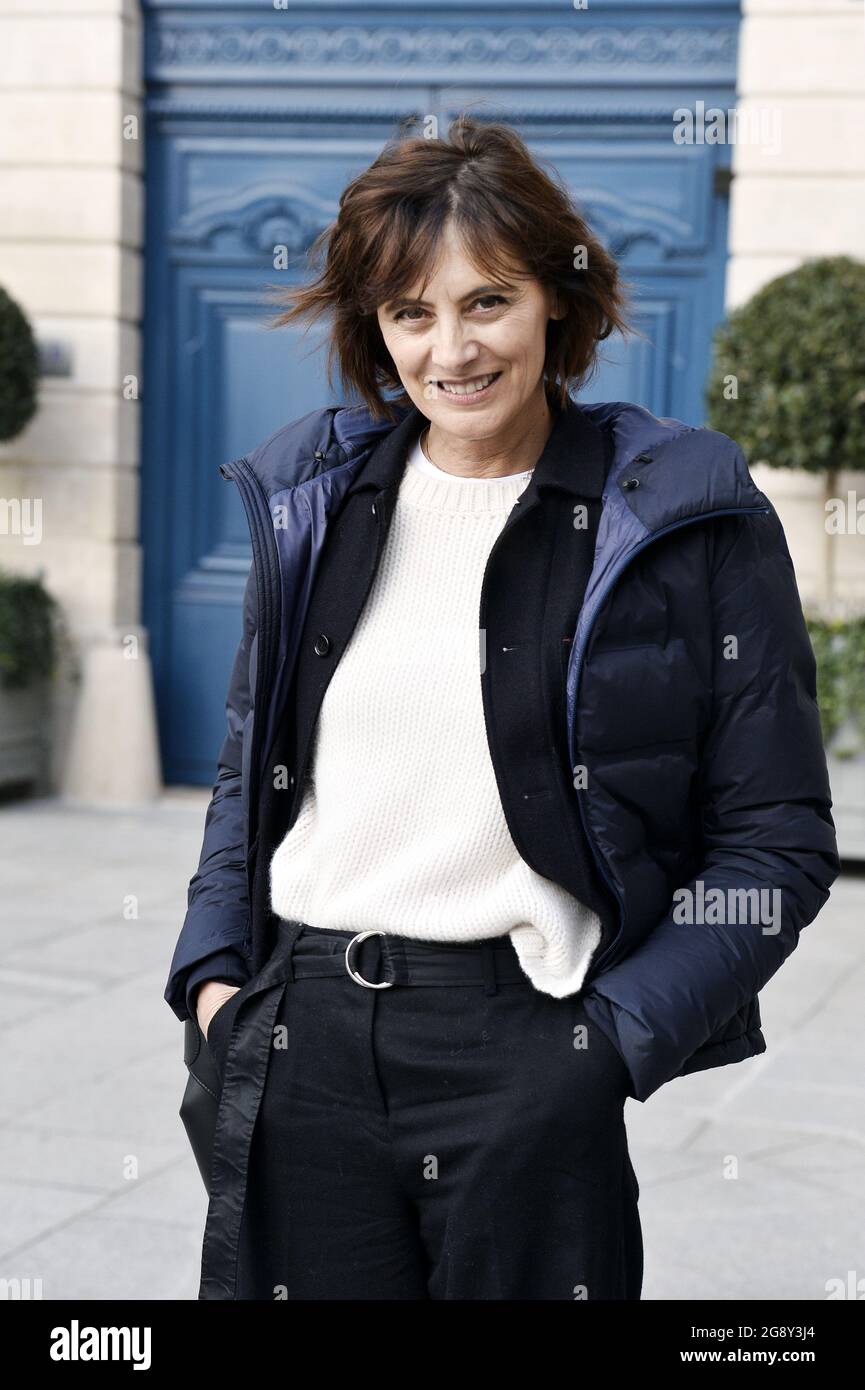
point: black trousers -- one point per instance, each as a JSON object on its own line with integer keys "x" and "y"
{"x": 456, "y": 1135}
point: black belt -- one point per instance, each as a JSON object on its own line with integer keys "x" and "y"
{"x": 373, "y": 960}
{"x": 378, "y": 960}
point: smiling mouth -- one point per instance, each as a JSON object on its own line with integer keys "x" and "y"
{"x": 470, "y": 390}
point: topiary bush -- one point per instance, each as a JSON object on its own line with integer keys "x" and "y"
{"x": 797, "y": 350}
{"x": 28, "y": 645}
{"x": 19, "y": 368}
{"x": 839, "y": 650}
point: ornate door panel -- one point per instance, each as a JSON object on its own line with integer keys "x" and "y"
{"x": 257, "y": 117}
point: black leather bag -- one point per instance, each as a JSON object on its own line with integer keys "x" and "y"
{"x": 201, "y": 1098}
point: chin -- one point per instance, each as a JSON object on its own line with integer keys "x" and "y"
{"x": 474, "y": 422}
{"x": 482, "y": 424}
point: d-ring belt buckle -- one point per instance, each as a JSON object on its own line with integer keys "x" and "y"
{"x": 358, "y": 979}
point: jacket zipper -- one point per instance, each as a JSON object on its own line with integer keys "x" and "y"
{"x": 605, "y": 957}
{"x": 264, "y": 554}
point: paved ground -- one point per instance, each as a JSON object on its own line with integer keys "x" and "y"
{"x": 99, "y": 1193}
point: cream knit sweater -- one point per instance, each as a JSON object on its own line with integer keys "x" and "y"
{"x": 401, "y": 825}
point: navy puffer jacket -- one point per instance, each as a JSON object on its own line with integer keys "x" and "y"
{"x": 691, "y": 706}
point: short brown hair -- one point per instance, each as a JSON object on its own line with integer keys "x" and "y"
{"x": 506, "y": 208}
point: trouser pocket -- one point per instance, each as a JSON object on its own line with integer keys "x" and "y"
{"x": 605, "y": 1054}
{"x": 247, "y": 1037}
{"x": 219, "y": 1032}
{"x": 200, "y": 1101}
{"x": 205, "y": 1060}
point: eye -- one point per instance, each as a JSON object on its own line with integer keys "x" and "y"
{"x": 413, "y": 313}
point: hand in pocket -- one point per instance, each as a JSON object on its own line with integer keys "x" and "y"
{"x": 219, "y": 1031}
{"x": 210, "y": 997}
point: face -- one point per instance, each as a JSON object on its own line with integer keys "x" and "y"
{"x": 470, "y": 352}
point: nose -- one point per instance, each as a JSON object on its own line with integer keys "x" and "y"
{"x": 453, "y": 349}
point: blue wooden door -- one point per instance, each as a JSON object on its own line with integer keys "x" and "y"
{"x": 258, "y": 115}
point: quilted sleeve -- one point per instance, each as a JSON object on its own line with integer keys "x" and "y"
{"x": 767, "y": 824}
{"x": 215, "y": 930}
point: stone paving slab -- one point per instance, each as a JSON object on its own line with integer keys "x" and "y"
{"x": 751, "y": 1176}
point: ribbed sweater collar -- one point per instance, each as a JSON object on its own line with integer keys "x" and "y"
{"x": 446, "y": 492}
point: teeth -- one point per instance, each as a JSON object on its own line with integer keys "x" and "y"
{"x": 465, "y": 388}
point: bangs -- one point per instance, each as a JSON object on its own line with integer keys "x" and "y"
{"x": 405, "y": 251}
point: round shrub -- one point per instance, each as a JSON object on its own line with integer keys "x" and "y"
{"x": 797, "y": 350}
{"x": 28, "y": 614}
{"x": 19, "y": 368}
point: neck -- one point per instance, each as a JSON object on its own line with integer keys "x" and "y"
{"x": 515, "y": 448}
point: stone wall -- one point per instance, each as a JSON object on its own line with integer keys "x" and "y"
{"x": 802, "y": 64}
{"x": 71, "y": 158}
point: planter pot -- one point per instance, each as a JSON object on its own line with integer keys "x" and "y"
{"x": 847, "y": 780}
{"x": 24, "y": 736}
{"x": 829, "y": 564}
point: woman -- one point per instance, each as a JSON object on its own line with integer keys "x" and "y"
{"x": 523, "y": 797}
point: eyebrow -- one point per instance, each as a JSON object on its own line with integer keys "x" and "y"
{"x": 476, "y": 293}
